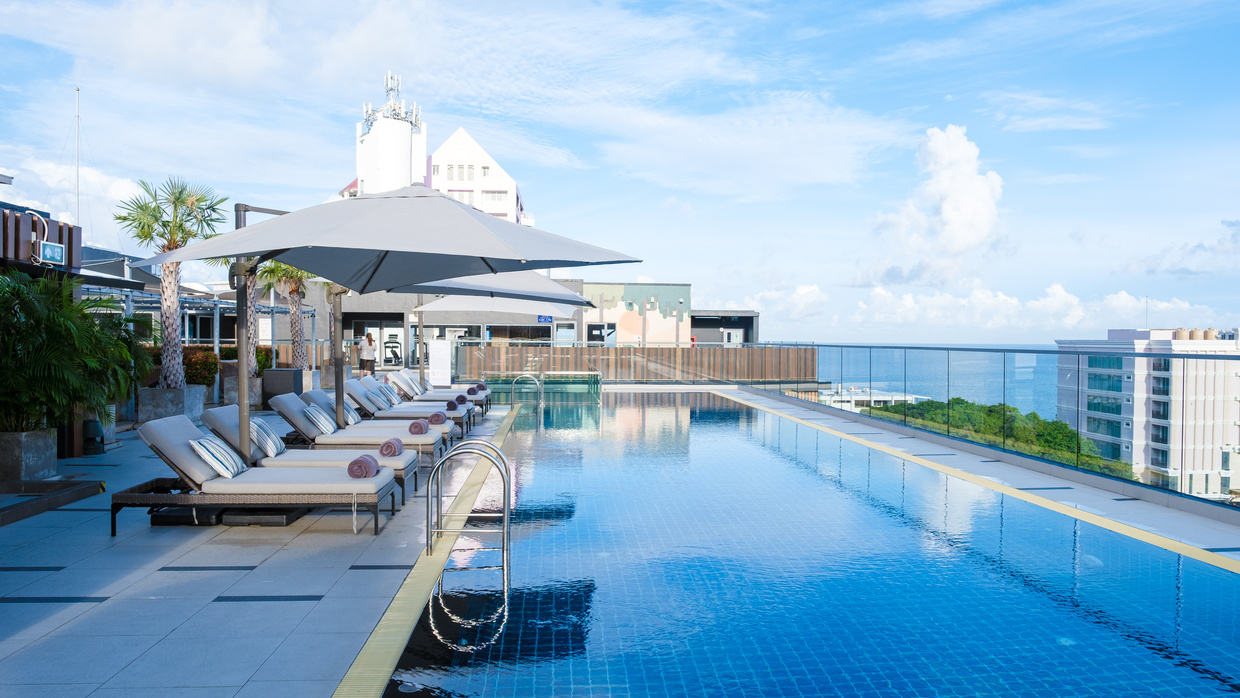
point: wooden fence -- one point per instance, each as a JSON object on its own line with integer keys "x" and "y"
{"x": 745, "y": 364}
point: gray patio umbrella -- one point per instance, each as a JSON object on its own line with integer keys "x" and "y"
{"x": 378, "y": 242}
{"x": 519, "y": 285}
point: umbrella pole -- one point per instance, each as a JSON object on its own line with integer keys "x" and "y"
{"x": 338, "y": 353}
{"x": 241, "y": 271}
{"x": 421, "y": 353}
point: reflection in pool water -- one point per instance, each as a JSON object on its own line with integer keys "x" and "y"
{"x": 687, "y": 545}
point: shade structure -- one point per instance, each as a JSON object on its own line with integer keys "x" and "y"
{"x": 496, "y": 305}
{"x": 526, "y": 285}
{"x": 378, "y": 242}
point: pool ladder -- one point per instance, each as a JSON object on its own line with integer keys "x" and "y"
{"x": 488, "y": 451}
{"x": 512, "y": 396}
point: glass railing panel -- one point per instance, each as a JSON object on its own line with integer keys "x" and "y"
{"x": 928, "y": 392}
{"x": 1106, "y": 397}
{"x": 976, "y": 409}
{"x": 854, "y": 383}
{"x": 887, "y": 396}
{"x": 829, "y": 376}
{"x": 1036, "y": 388}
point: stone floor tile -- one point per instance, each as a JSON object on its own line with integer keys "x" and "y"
{"x": 288, "y": 689}
{"x": 196, "y": 584}
{"x": 116, "y": 617}
{"x": 227, "y": 619}
{"x": 192, "y": 663}
{"x": 51, "y": 690}
{"x": 72, "y": 659}
{"x": 311, "y": 556}
{"x": 233, "y": 552}
{"x": 76, "y": 581}
{"x": 344, "y": 615}
{"x": 285, "y": 581}
{"x": 373, "y": 583}
{"x": 168, "y": 692}
{"x": 312, "y": 657}
{"x": 30, "y": 621}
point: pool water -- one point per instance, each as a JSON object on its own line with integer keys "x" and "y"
{"x": 686, "y": 545}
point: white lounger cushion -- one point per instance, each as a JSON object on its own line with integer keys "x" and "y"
{"x": 299, "y": 481}
{"x": 171, "y": 435}
{"x": 309, "y": 458}
{"x": 323, "y": 399}
{"x": 366, "y": 437}
{"x": 405, "y": 410}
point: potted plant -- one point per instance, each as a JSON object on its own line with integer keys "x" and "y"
{"x": 60, "y": 357}
{"x": 167, "y": 218}
{"x": 292, "y": 282}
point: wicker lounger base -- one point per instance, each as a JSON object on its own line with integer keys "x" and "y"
{"x": 173, "y": 492}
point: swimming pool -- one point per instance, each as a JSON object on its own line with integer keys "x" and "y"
{"x": 685, "y": 545}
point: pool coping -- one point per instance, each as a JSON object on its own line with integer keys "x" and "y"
{"x": 372, "y": 668}
{"x": 1155, "y": 539}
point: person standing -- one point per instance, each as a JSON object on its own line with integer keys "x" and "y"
{"x": 366, "y": 350}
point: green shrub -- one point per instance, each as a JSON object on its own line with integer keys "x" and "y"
{"x": 264, "y": 358}
{"x": 228, "y": 353}
{"x": 201, "y": 367}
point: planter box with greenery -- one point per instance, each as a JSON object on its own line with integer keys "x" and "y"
{"x": 60, "y": 357}
{"x": 201, "y": 366}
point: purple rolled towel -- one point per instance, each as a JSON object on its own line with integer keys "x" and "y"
{"x": 439, "y": 417}
{"x": 391, "y": 448}
{"x": 419, "y": 426}
{"x": 471, "y": 391}
{"x": 481, "y": 386}
{"x": 461, "y": 399}
{"x": 451, "y": 405}
{"x": 363, "y": 466}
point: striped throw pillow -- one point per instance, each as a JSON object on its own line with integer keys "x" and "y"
{"x": 265, "y": 438}
{"x": 392, "y": 396}
{"x": 379, "y": 400}
{"x": 219, "y": 456}
{"x": 320, "y": 419}
{"x": 351, "y": 416}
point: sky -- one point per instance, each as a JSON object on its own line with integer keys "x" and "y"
{"x": 915, "y": 171}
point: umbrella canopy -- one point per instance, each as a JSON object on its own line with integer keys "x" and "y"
{"x": 378, "y": 242}
{"x": 526, "y": 285}
{"x": 496, "y": 305}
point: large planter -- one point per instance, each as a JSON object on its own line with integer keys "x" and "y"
{"x": 28, "y": 455}
{"x": 228, "y": 391}
{"x": 157, "y": 403}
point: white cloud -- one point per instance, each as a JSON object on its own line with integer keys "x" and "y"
{"x": 784, "y": 302}
{"x": 760, "y": 151}
{"x": 1191, "y": 259}
{"x": 954, "y": 211}
{"x": 1056, "y": 309}
{"x": 1033, "y": 111}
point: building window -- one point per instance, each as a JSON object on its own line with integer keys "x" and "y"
{"x": 471, "y": 173}
{"x": 601, "y": 333}
{"x": 1107, "y": 382}
{"x": 1109, "y": 405}
{"x": 485, "y": 170}
{"x": 1161, "y": 410}
{"x": 449, "y": 173}
{"x": 494, "y": 196}
{"x": 1158, "y": 457}
{"x": 1112, "y": 362}
{"x": 1160, "y": 365}
{"x": 1162, "y": 385}
{"x": 1159, "y": 433}
{"x": 470, "y": 196}
{"x": 434, "y": 170}
{"x": 1105, "y": 427}
{"x": 1107, "y": 450}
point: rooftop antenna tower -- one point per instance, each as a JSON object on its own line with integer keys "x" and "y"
{"x": 77, "y": 155}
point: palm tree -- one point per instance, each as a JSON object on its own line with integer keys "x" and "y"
{"x": 290, "y": 281}
{"x": 166, "y": 219}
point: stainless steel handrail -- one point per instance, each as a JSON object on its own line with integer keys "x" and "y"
{"x": 512, "y": 393}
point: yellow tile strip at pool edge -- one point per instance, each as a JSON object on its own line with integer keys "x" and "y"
{"x": 372, "y": 668}
{"x": 1144, "y": 536}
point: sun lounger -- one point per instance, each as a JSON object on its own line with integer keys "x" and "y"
{"x": 199, "y": 485}
{"x": 327, "y": 401}
{"x": 225, "y": 423}
{"x": 407, "y": 387}
{"x": 292, "y": 410}
{"x": 405, "y": 411}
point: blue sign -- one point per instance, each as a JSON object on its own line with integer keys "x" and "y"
{"x": 544, "y": 318}
{"x": 51, "y": 253}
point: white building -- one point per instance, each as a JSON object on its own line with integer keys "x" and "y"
{"x": 391, "y": 145}
{"x": 1177, "y": 421}
{"x": 461, "y": 169}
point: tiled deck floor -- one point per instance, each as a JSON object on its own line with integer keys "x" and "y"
{"x": 155, "y": 611}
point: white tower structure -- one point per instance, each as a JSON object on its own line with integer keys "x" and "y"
{"x": 391, "y": 144}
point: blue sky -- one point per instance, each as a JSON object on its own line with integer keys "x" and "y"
{"x": 937, "y": 171}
